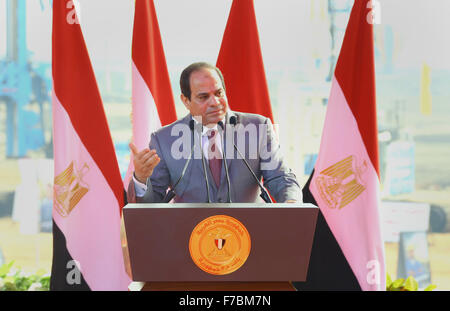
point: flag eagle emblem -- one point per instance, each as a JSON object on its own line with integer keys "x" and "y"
{"x": 342, "y": 182}
{"x": 70, "y": 188}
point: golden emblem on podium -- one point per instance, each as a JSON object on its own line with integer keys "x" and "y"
{"x": 219, "y": 244}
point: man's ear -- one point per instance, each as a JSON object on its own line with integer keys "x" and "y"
{"x": 186, "y": 102}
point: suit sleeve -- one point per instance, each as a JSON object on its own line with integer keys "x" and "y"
{"x": 278, "y": 178}
{"x": 158, "y": 183}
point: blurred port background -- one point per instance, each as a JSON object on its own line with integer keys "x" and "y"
{"x": 300, "y": 42}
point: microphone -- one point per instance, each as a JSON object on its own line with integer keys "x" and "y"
{"x": 264, "y": 195}
{"x": 171, "y": 193}
{"x": 204, "y": 165}
{"x": 225, "y": 161}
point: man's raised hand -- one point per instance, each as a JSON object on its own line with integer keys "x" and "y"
{"x": 144, "y": 162}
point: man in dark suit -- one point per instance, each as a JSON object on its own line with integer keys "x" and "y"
{"x": 207, "y": 130}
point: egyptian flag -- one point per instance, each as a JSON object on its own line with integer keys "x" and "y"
{"x": 348, "y": 252}
{"x": 152, "y": 104}
{"x": 88, "y": 190}
{"x": 240, "y": 61}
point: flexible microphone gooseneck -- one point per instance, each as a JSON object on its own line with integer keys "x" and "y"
{"x": 171, "y": 193}
{"x": 225, "y": 161}
{"x": 204, "y": 165}
{"x": 264, "y": 195}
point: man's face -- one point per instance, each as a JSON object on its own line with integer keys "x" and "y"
{"x": 208, "y": 99}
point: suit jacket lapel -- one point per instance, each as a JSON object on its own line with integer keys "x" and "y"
{"x": 181, "y": 187}
{"x": 197, "y": 166}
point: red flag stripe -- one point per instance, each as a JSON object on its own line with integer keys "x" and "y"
{"x": 148, "y": 56}
{"x": 241, "y": 63}
{"x": 356, "y": 67}
{"x": 76, "y": 89}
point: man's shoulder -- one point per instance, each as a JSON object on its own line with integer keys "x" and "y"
{"x": 247, "y": 118}
{"x": 166, "y": 130}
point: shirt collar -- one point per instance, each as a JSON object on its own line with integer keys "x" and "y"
{"x": 207, "y": 129}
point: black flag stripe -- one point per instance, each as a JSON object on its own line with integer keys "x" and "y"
{"x": 328, "y": 268}
{"x": 63, "y": 276}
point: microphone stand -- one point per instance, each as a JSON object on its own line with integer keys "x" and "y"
{"x": 204, "y": 165}
{"x": 171, "y": 193}
{"x": 225, "y": 161}
{"x": 264, "y": 195}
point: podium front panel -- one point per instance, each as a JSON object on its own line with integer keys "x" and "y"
{"x": 158, "y": 237}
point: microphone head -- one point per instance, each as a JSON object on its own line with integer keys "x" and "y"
{"x": 233, "y": 120}
{"x": 191, "y": 124}
{"x": 220, "y": 124}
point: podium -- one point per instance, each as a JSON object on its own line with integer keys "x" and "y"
{"x": 217, "y": 246}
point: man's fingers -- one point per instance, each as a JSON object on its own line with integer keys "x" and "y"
{"x": 150, "y": 162}
{"x": 144, "y": 152}
{"x": 147, "y": 151}
{"x": 148, "y": 169}
{"x": 145, "y": 155}
{"x": 144, "y": 161}
{"x": 136, "y": 152}
{"x": 133, "y": 148}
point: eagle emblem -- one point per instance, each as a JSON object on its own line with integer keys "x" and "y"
{"x": 69, "y": 188}
{"x": 342, "y": 182}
